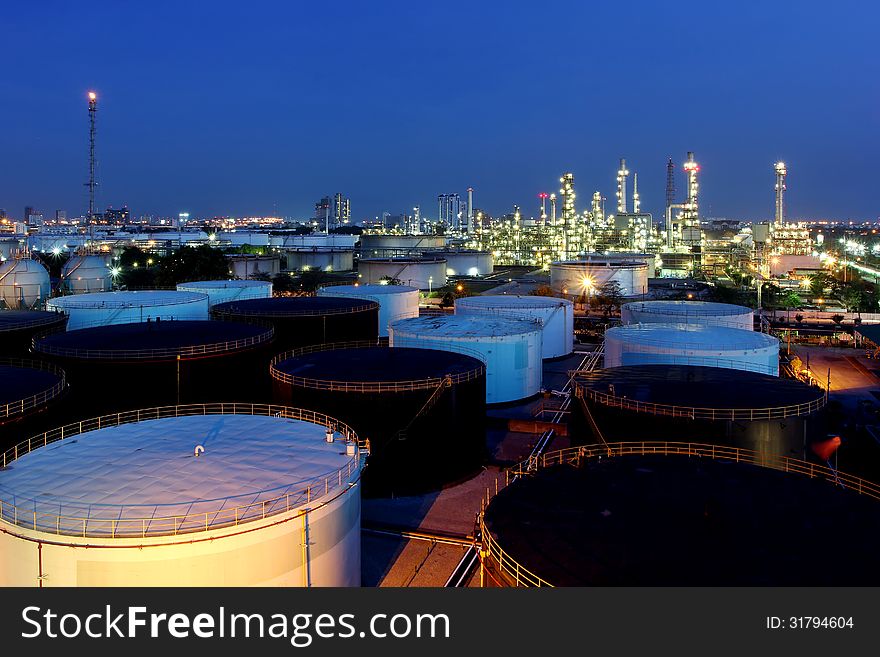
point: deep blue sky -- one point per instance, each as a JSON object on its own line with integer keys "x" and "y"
{"x": 242, "y": 107}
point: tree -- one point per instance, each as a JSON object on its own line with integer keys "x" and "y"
{"x": 201, "y": 263}
{"x": 819, "y": 282}
{"x": 543, "y": 291}
{"x": 448, "y": 300}
{"x": 799, "y": 319}
{"x": 792, "y": 300}
{"x": 837, "y": 319}
{"x": 851, "y": 295}
{"x": 608, "y": 297}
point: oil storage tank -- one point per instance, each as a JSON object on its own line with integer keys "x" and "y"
{"x": 692, "y": 344}
{"x": 24, "y": 284}
{"x": 123, "y": 366}
{"x": 82, "y": 274}
{"x": 395, "y": 301}
{"x": 688, "y": 312}
{"x": 510, "y": 348}
{"x": 223, "y": 291}
{"x": 422, "y": 410}
{"x": 28, "y": 388}
{"x": 766, "y": 414}
{"x": 320, "y": 258}
{"x": 556, "y": 317}
{"x": 577, "y": 277}
{"x": 427, "y": 273}
{"x": 465, "y": 262}
{"x": 19, "y": 327}
{"x": 387, "y": 246}
{"x": 105, "y": 308}
{"x": 175, "y": 497}
{"x": 304, "y": 321}
{"x": 658, "y": 513}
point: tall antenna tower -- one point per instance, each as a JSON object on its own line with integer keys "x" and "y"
{"x": 781, "y": 172}
{"x": 670, "y": 184}
{"x": 637, "y": 204}
{"x": 622, "y": 173}
{"x": 93, "y": 111}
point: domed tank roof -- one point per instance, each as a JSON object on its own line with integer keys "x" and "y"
{"x": 86, "y": 273}
{"x": 24, "y": 283}
{"x": 696, "y": 336}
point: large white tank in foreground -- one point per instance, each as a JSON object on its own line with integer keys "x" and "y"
{"x": 82, "y": 274}
{"x": 395, "y": 301}
{"x": 223, "y": 291}
{"x": 421, "y": 273}
{"x": 510, "y": 348}
{"x": 24, "y": 284}
{"x": 556, "y": 316}
{"x": 105, "y": 308}
{"x": 692, "y": 344}
{"x": 688, "y": 312}
{"x": 191, "y": 498}
{"x": 573, "y": 278}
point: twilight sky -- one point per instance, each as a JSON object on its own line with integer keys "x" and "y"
{"x": 252, "y": 108}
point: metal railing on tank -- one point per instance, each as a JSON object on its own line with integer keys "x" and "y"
{"x": 519, "y": 575}
{"x": 41, "y": 398}
{"x": 364, "y": 386}
{"x": 234, "y": 312}
{"x": 145, "y": 521}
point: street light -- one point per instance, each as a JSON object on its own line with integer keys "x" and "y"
{"x": 430, "y": 284}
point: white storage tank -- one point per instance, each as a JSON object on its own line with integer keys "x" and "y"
{"x": 24, "y": 284}
{"x": 201, "y": 495}
{"x": 385, "y": 246}
{"x": 248, "y": 266}
{"x": 421, "y": 273}
{"x": 223, "y": 291}
{"x": 321, "y": 258}
{"x": 510, "y": 348}
{"x": 556, "y": 316}
{"x": 692, "y": 344}
{"x": 395, "y": 301}
{"x": 688, "y": 312}
{"x": 82, "y": 274}
{"x": 105, "y": 308}
{"x": 467, "y": 263}
{"x": 574, "y": 278}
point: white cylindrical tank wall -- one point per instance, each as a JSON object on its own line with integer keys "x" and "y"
{"x": 421, "y": 273}
{"x": 323, "y": 259}
{"x": 185, "y": 501}
{"x": 105, "y": 308}
{"x": 383, "y": 246}
{"x": 82, "y": 274}
{"x": 247, "y": 266}
{"x": 468, "y": 263}
{"x": 395, "y": 301}
{"x": 510, "y": 348}
{"x": 223, "y": 291}
{"x": 692, "y": 344}
{"x": 556, "y": 316}
{"x": 24, "y": 284}
{"x": 688, "y": 312}
{"x": 575, "y": 277}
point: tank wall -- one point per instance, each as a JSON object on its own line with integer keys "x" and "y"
{"x": 423, "y": 275}
{"x": 620, "y": 352}
{"x": 633, "y": 278}
{"x": 557, "y": 322}
{"x": 269, "y": 556}
{"x": 84, "y": 274}
{"x": 323, "y": 260}
{"x": 378, "y": 245}
{"x": 634, "y": 314}
{"x": 399, "y": 305}
{"x": 24, "y": 284}
{"x": 230, "y": 293}
{"x": 468, "y": 264}
{"x": 513, "y": 363}
{"x": 88, "y": 317}
{"x": 17, "y": 343}
{"x": 245, "y": 268}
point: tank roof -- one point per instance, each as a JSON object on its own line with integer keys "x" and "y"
{"x": 128, "y": 299}
{"x": 294, "y": 306}
{"x": 150, "y": 340}
{"x": 407, "y": 260}
{"x": 16, "y": 320}
{"x": 148, "y": 470}
{"x": 465, "y": 327}
{"x": 221, "y": 285}
{"x": 375, "y": 365}
{"x": 513, "y": 301}
{"x": 694, "y": 336}
{"x": 25, "y": 384}
{"x": 354, "y": 290}
{"x": 666, "y": 520}
{"x": 688, "y": 307}
{"x": 695, "y": 391}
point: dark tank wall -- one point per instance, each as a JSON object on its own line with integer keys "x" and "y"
{"x": 19, "y": 327}
{"x": 409, "y": 452}
{"x": 31, "y": 394}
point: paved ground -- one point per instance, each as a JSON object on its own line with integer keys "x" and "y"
{"x": 853, "y": 376}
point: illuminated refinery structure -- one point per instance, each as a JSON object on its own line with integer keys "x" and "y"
{"x": 93, "y": 112}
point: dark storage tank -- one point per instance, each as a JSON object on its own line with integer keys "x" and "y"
{"x": 304, "y": 321}
{"x": 18, "y": 328}
{"x": 29, "y": 391}
{"x": 124, "y": 366}
{"x": 676, "y": 514}
{"x": 700, "y": 404}
{"x": 422, "y": 410}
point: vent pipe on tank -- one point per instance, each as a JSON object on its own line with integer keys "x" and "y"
{"x": 199, "y": 450}
{"x": 350, "y": 449}
{"x": 329, "y": 436}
